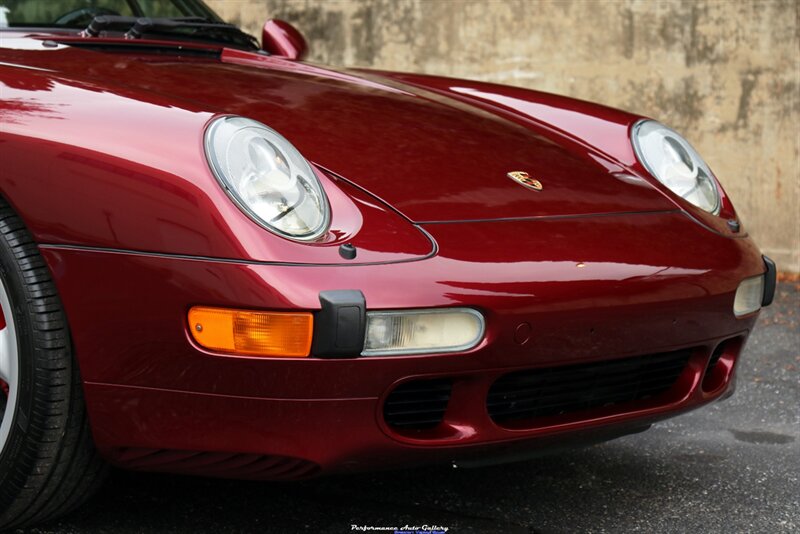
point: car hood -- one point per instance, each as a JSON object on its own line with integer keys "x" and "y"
{"x": 430, "y": 155}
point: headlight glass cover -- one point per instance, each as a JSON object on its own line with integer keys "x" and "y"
{"x": 749, "y": 295}
{"x": 674, "y": 163}
{"x": 422, "y": 331}
{"x": 267, "y": 177}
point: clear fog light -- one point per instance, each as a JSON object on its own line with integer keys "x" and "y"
{"x": 422, "y": 331}
{"x": 748, "y": 296}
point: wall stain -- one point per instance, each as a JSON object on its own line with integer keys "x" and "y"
{"x": 323, "y": 29}
{"x": 365, "y": 39}
{"x": 748, "y": 83}
{"x": 698, "y": 49}
{"x": 681, "y": 103}
{"x": 628, "y": 34}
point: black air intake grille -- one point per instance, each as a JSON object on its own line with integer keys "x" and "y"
{"x": 718, "y": 352}
{"x": 417, "y": 405}
{"x": 563, "y": 390}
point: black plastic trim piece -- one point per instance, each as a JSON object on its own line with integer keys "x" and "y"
{"x": 340, "y": 325}
{"x": 348, "y": 251}
{"x": 770, "y": 279}
{"x": 134, "y": 46}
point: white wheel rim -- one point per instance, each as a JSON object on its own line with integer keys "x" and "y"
{"x": 9, "y": 365}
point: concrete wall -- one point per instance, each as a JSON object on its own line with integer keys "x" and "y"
{"x": 724, "y": 73}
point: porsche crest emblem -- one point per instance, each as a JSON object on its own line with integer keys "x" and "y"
{"x": 523, "y": 178}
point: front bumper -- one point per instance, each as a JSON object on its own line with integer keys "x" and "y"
{"x": 554, "y": 293}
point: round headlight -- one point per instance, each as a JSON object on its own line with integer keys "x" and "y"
{"x": 674, "y": 163}
{"x": 267, "y": 177}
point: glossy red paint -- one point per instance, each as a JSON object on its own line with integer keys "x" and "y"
{"x": 281, "y": 39}
{"x": 672, "y": 296}
{"x": 599, "y": 130}
{"x": 453, "y": 167}
{"x": 187, "y": 212}
{"x": 105, "y": 163}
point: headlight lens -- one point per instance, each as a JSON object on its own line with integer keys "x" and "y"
{"x": 749, "y": 295}
{"x": 422, "y": 331}
{"x": 267, "y": 177}
{"x": 674, "y": 163}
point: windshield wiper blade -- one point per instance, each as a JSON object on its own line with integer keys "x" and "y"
{"x": 137, "y": 27}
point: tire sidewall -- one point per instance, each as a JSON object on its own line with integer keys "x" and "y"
{"x": 13, "y": 279}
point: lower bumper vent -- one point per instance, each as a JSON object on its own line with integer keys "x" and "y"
{"x": 417, "y": 405}
{"x": 563, "y": 390}
{"x": 715, "y": 356}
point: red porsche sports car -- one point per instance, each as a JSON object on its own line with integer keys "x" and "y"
{"x": 218, "y": 259}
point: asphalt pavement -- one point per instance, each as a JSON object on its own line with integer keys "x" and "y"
{"x": 733, "y": 466}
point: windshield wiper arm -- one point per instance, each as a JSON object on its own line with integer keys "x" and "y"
{"x": 139, "y": 26}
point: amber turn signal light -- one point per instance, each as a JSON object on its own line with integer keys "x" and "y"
{"x": 252, "y": 333}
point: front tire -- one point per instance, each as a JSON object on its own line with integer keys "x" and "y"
{"x": 48, "y": 463}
